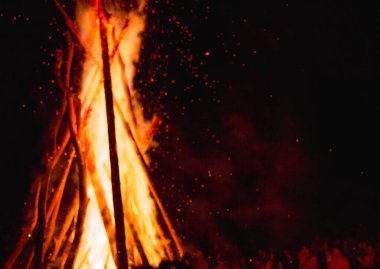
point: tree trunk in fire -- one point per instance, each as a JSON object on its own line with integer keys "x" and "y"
{"x": 122, "y": 258}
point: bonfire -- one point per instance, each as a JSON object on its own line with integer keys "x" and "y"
{"x": 94, "y": 205}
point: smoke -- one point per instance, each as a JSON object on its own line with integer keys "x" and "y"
{"x": 235, "y": 189}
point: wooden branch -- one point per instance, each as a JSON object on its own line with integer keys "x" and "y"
{"x": 73, "y": 28}
{"x": 57, "y": 126}
{"x": 169, "y": 252}
{"x": 107, "y": 217}
{"x": 140, "y": 155}
{"x": 138, "y": 152}
{"x": 41, "y": 223}
{"x": 122, "y": 257}
{"x": 97, "y": 78}
{"x": 27, "y": 231}
{"x": 60, "y": 149}
{"x": 138, "y": 244}
{"x": 118, "y": 41}
{"x": 61, "y": 187}
{"x": 63, "y": 106}
{"x": 55, "y": 205}
{"x": 50, "y": 227}
{"x": 123, "y": 74}
{"x": 83, "y": 198}
{"x": 103, "y": 208}
{"x": 42, "y": 220}
{"x": 69, "y": 59}
{"x": 107, "y": 261}
{"x": 66, "y": 133}
{"x": 127, "y": 92}
{"x": 82, "y": 262}
{"x": 69, "y": 218}
{"x": 86, "y": 113}
{"x": 30, "y": 261}
{"x": 43, "y": 209}
{"x": 67, "y": 246}
{"x": 25, "y": 260}
{"x": 150, "y": 185}
{"x": 73, "y": 128}
{"x": 63, "y": 86}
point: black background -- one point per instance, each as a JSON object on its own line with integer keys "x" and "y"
{"x": 270, "y": 114}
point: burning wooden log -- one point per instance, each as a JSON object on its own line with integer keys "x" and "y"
{"x": 81, "y": 219}
{"x": 74, "y": 128}
{"x": 122, "y": 258}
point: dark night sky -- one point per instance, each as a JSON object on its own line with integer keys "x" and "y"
{"x": 272, "y": 112}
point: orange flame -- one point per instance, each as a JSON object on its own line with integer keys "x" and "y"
{"x": 140, "y": 210}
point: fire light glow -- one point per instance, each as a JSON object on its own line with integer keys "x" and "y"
{"x": 140, "y": 211}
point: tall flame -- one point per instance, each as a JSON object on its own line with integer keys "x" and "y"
{"x": 140, "y": 213}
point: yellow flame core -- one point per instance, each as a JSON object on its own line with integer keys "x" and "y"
{"x": 139, "y": 207}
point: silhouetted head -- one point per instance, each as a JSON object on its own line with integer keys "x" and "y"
{"x": 336, "y": 251}
{"x": 187, "y": 259}
{"x": 164, "y": 265}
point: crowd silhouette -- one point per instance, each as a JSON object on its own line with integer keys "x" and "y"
{"x": 318, "y": 254}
